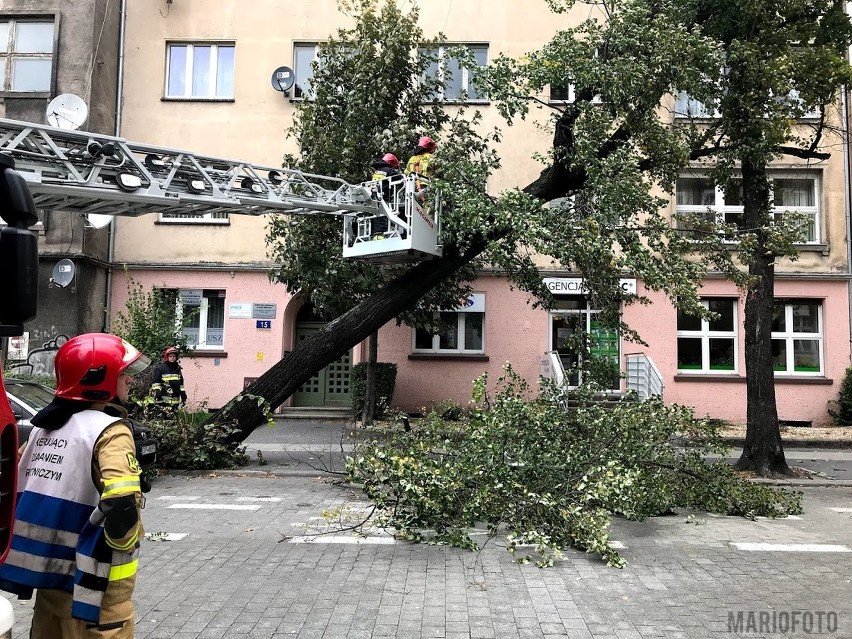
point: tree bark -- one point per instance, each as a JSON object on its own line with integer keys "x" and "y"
{"x": 338, "y": 336}
{"x": 763, "y": 452}
{"x": 369, "y": 408}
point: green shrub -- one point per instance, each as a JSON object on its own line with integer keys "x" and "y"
{"x": 448, "y": 410}
{"x": 843, "y": 415}
{"x": 187, "y": 442}
{"x": 385, "y": 385}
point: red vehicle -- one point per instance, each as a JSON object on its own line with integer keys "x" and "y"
{"x": 18, "y": 299}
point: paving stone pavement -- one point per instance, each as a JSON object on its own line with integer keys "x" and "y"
{"x": 239, "y": 573}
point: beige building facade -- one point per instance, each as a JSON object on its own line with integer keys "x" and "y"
{"x": 197, "y": 77}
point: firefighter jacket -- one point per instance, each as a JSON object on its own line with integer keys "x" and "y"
{"x": 167, "y": 385}
{"x": 59, "y": 540}
{"x": 382, "y": 171}
{"x": 418, "y": 164}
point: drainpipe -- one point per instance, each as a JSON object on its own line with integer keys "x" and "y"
{"x": 119, "y": 95}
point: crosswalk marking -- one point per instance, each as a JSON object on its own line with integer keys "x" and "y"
{"x": 178, "y": 498}
{"x": 216, "y": 506}
{"x": 841, "y": 510}
{"x": 270, "y": 499}
{"x": 790, "y": 547}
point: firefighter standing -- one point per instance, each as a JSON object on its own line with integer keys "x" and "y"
{"x": 78, "y": 519}
{"x": 167, "y": 386}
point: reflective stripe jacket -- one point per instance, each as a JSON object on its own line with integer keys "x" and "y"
{"x": 167, "y": 384}
{"x": 418, "y": 164}
{"x": 59, "y": 541}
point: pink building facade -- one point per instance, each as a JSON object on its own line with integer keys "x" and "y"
{"x": 702, "y": 364}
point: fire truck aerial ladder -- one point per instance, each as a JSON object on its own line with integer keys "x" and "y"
{"x": 90, "y": 173}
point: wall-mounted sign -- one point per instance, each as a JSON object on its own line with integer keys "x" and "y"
{"x": 259, "y": 357}
{"x": 473, "y": 304}
{"x": 239, "y": 310}
{"x": 264, "y": 325}
{"x": 577, "y": 286}
{"x": 190, "y": 296}
{"x": 263, "y": 311}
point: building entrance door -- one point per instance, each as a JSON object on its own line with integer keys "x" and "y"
{"x": 329, "y": 387}
{"x": 576, "y": 333}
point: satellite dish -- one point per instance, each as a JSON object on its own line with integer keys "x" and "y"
{"x": 63, "y": 273}
{"x": 283, "y": 78}
{"x": 67, "y": 111}
{"x": 98, "y": 220}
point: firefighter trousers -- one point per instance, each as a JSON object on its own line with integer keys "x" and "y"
{"x": 52, "y": 619}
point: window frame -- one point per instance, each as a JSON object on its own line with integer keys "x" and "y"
{"x": 189, "y": 67}
{"x": 569, "y": 89}
{"x": 213, "y": 219}
{"x": 13, "y": 17}
{"x": 466, "y": 78}
{"x": 721, "y": 210}
{"x": 204, "y": 309}
{"x": 461, "y": 314}
{"x": 790, "y": 336}
{"x": 304, "y": 95}
{"x": 705, "y": 334}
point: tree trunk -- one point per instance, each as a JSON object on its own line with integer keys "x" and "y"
{"x": 763, "y": 452}
{"x": 338, "y": 336}
{"x": 369, "y": 408}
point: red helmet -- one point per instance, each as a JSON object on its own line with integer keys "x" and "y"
{"x": 427, "y": 143}
{"x": 391, "y": 159}
{"x": 88, "y": 366}
{"x": 169, "y": 351}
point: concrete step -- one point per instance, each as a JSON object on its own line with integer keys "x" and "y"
{"x": 316, "y": 413}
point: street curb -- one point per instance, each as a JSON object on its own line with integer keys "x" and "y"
{"x": 834, "y": 483}
{"x": 837, "y": 444}
{"x": 319, "y": 474}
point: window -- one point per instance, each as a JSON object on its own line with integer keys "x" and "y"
{"x": 219, "y": 217}
{"x": 708, "y": 346}
{"x": 205, "y": 310}
{"x": 304, "y": 53}
{"x": 797, "y": 337}
{"x": 200, "y": 71}
{"x": 565, "y": 93}
{"x": 689, "y": 107}
{"x": 457, "y": 79}
{"x": 26, "y": 54}
{"x": 698, "y": 197}
{"x": 462, "y": 330}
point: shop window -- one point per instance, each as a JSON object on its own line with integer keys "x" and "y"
{"x": 698, "y": 198}
{"x": 204, "y": 311}
{"x": 26, "y": 54}
{"x": 797, "y": 337}
{"x": 200, "y": 71}
{"x": 459, "y": 331}
{"x": 708, "y": 345}
{"x": 458, "y": 80}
